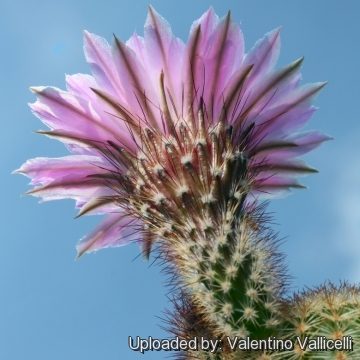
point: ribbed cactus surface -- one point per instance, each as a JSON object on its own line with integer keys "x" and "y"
{"x": 318, "y": 324}
{"x": 235, "y": 281}
{"x": 326, "y": 320}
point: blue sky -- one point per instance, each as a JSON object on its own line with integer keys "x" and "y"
{"x": 53, "y": 307}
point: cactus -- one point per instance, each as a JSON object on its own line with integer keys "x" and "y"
{"x": 325, "y": 313}
{"x": 321, "y": 324}
{"x": 178, "y": 144}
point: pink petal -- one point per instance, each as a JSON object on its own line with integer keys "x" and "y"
{"x": 275, "y": 187}
{"x": 137, "y": 45}
{"x": 261, "y": 95}
{"x": 193, "y": 66}
{"x": 68, "y": 177}
{"x": 99, "y": 57}
{"x": 208, "y": 22}
{"x": 282, "y": 122}
{"x": 224, "y": 53}
{"x": 62, "y": 110}
{"x": 263, "y": 55}
{"x": 141, "y": 98}
{"x": 283, "y": 168}
{"x": 304, "y": 142}
{"x": 81, "y": 85}
{"x": 45, "y": 170}
{"x": 71, "y": 187}
{"x": 165, "y": 54}
{"x": 115, "y": 230}
{"x": 215, "y": 50}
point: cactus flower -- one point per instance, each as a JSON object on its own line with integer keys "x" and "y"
{"x": 173, "y": 138}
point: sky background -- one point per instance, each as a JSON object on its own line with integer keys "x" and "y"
{"x": 53, "y": 307}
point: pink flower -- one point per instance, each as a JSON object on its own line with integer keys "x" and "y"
{"x": 167, "y": 138}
